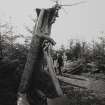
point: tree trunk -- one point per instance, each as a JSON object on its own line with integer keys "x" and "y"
{"x": 35, "y": 56}
{"x": 33, "y": 59}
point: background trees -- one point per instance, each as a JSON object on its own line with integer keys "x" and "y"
{"x": 11, "y": 48}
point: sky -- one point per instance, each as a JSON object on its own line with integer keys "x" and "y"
{"x": 84, "y": 21}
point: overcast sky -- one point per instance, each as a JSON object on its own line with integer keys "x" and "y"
{"x": 84, "y": 21}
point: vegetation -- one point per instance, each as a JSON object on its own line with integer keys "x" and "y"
{"x": 93, "y": 52}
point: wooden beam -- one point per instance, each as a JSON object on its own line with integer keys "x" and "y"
{"x": 53, "y": 75}
{"x": 74, "y": 82}
{"x": 75, "y": 76}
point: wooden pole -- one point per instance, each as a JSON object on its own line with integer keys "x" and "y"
{"x": 75, "y": 82}
{"x": 53, "y": 75}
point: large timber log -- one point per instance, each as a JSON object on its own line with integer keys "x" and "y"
{"x": 34, "y": 62}
{"x": 75, "y": 82}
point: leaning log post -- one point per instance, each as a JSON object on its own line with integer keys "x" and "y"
{"x": 35, "y": 55}
{"x": 52, "y": 73}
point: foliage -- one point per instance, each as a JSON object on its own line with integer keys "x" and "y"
{"x": 91, "y": 52}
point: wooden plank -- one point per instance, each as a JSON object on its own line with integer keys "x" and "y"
{"x": 53, "y": 75}
{"x": 75, "y": 76}
{"x": 74, "y": 82}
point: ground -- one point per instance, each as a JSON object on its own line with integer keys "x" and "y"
{"x": 93, "y": 95}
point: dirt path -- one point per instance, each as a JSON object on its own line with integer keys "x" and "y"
{"x": 97, "y": 86}
{"x": 59, "y": 101}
